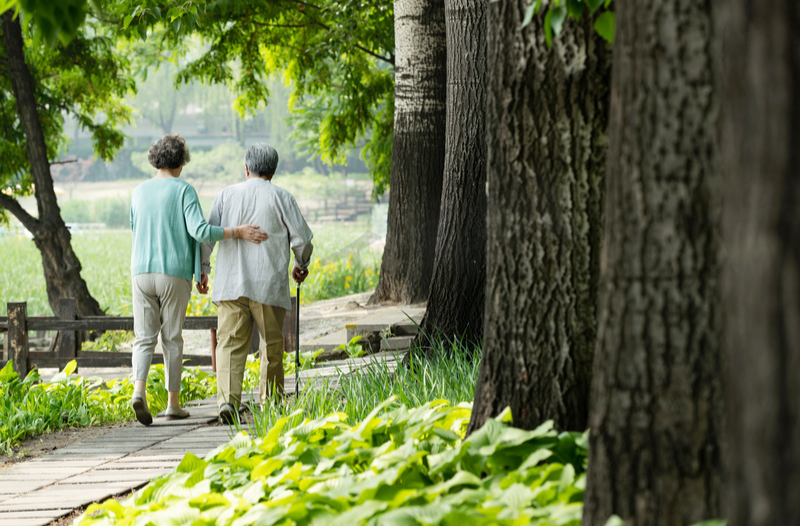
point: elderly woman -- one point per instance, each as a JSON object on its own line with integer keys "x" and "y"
{"x": 168, "y": 227}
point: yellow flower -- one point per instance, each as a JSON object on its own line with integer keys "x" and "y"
{"x": 347, "y": 285}
{"x": 348, "y": 278}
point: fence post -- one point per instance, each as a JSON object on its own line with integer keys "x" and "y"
{"x": 68, "y": 341}
{"x": 18, "y": 337}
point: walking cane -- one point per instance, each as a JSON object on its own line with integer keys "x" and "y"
{"x": 297, "y": 345}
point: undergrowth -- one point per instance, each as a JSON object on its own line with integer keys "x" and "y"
{"x": 397, "y": 466}
{"x": 31, "y": 407}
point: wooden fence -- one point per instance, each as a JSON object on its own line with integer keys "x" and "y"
{"x": 68, "y": 340}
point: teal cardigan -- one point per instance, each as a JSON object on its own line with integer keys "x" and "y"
{"x": 168, "y": 227}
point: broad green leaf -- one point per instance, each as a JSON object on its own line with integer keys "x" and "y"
{"x": 127, "y": 21}
{"x": 604, "y": 25}
{"x": 190, "y": 463}
{"x": 594, "y": 5}
{"x": 575, "y": 8}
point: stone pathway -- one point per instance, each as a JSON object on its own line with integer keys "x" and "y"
{"x": 36, "y": 492}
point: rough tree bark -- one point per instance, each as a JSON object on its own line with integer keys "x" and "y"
{"x": 656, "y": 405}
{"x": 417, "y": 152}
{"x": 62, "y": 269}
{"x": 548, "y": 114}
{"x": 455, "y": 303}
{"x": 761, "y": 278}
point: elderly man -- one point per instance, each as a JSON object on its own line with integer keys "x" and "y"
{"x": 252, "y": 283}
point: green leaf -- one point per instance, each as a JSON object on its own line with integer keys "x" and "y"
{"x": 594, "y": 5}
{"x": 575, "y": 8}
{"x": 176, "y": 24}
{"x": 70, "y": 367}
{"x": 604, "y": 25}
{"x": 559, "y": 14}
{"x": 190, "y": 463}
{"x": 127, "y": 21}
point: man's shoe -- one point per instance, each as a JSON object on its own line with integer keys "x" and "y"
{"x": 139, "y": 405}
{"x": 227, "y": 414}
{"x": 175, "y": 413}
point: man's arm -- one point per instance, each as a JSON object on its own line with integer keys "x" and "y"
{"x": 300, "y": 236}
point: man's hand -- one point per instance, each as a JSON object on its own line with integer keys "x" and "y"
{"x": 202, "y": 285}
{"x": 250, "y": 233}
{"x": 299, "y": 275}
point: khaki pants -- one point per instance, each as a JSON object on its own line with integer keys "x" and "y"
{"x": 159, "y": 305}
{"x": 235, "y": 333}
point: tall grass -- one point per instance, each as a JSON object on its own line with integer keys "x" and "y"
{"x": 105, "y": 258}
{"x": 449, "y": 371}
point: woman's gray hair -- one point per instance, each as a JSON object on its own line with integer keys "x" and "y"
{"x": 170, "y": 151}
{"x": 261, "y": 159}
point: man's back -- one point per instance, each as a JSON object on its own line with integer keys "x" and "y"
{"x": 259, "y": 272}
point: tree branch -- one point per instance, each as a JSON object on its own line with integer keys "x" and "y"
{"x": 13, "y": 206}
{"x": 357, "y": 46}
{"x": 64, "y": 162}
{"x": 379, "y": 57}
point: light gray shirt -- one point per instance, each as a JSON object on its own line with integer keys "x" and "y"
{"x": 258, "y": 272}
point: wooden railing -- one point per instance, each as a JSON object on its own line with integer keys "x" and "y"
{"x": 67, "y": 343}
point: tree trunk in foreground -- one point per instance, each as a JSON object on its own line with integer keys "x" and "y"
{"x": 455, "y": 303}
{"x": 656, "y": 406}
{"x": 62, "y": 269}
{"x": 761, "y": 280}
{"x": 548, "y": 115}
{"x": 417, "y": 152}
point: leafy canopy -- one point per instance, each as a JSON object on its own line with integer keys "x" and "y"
{"x": 337, "y": 55}
{"x": 87, "y": 78}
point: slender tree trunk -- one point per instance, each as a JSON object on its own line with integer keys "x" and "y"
{"x": 548, "y": 115}
{"x": 761, "y": 280}
{"x": 417, "y": 152}
{"x": 656, "y": 401}
{"x": 455, "y": 303}
{"x": 62, "y": 269}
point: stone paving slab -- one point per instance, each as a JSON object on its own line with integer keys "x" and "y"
{"x": 31, "y": 518}
{"x": 116, "y": 475}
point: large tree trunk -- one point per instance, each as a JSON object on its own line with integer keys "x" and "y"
{"x": 455, "y": 303}
{"x": 656, "y": 401}
{"x": 417, "y": 152}
{"x": 548, "y": 114}
{"x": 761, "y": 280}
{"x": 62, "y": 269}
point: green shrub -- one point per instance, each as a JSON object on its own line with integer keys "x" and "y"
{"x": 398, "y": 466}
{"x": 30, "y": 407}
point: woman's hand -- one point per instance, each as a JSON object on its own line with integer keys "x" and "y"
{"x": 202, "y": 285}
{"x": 249, "y": 233}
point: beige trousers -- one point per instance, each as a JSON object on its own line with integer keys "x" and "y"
{"x": 159, "y": 305}
{"x": 235, "y": 333}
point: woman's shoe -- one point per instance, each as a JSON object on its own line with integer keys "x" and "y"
{"x": 176, "y": 413}
{"x": 139, "y": 405}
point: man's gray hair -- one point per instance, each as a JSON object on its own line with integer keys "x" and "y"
{"x": 261, "y": 159}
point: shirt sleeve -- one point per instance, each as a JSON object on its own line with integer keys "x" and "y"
{"x": 214, "y": 219}
{"x": 300, "y": 234}
{"x": 195, "y": 222}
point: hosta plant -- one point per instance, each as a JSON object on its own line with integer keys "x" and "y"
{"x": 396, "y": 467}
